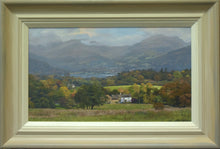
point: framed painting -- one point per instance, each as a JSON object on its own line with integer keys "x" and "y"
{"x": 109, "y": 74}
{"x": 20, "y": 17}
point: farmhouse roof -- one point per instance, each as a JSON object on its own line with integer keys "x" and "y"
{"x": 126, "y": 95}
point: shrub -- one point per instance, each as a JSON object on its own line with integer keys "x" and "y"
{"x": 158, "y": 106}
{"x": 134, "y": 100}
{"x": 185, "y": 100}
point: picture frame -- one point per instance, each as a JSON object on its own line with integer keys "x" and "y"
{"x": 17, "y": 16}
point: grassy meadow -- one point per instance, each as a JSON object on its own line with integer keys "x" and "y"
{"x": 117, "y": 87}
{"x": 112, "y": 112}
{"x": 126, "y": 87}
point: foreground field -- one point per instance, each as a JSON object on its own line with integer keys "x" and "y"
{"x": 108, "y": 112}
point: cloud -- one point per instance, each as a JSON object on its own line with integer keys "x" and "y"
{"x": 103, "y": 36}
{"x": 182, "y": 33}
{"x": 82, "y": 31}
{"x": 116, "y": 36}
{"x": 42, "y": 37}
{"x": 50, "y": 35}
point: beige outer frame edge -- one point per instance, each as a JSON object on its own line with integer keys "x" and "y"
{"x": 19, "y": 15}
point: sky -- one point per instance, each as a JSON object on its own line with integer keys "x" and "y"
{"x": 103, "y": 36}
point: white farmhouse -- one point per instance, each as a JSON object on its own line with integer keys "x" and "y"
{"x": 73, "y": 86}
{"x": 125, "y": 98}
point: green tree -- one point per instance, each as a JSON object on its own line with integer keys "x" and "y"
{"x": 38, "y": 93}
{"x": 90, "y": 95}
{"x": 56, "y": 97}
{"x": 157, "y": 78}
{"x": 135, "y": 92}
{"x": 115, "y": 92}
{"x": 30, "y": 103}
{"x": 161, "y": 70}
{"x": 110, "y": 82}
{"x": 44, "y": 102}
{"x": 177, "y": 75}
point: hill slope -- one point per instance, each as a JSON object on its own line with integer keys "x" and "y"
{"x": 176, "y": 60}
{"x": 43, "y": 68}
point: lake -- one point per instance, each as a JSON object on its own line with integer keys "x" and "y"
{"x": 90, "y": 75}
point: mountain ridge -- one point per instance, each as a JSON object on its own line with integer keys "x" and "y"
{"x": 75, "y": 56}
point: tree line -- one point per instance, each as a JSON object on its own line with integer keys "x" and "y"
{"x": 143, "y": 76}
{"x": 54, "y": 92}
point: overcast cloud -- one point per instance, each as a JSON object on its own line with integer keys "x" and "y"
{"x": 103, "y": 36}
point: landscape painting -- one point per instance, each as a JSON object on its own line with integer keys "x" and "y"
{"x": 110, "y": 74}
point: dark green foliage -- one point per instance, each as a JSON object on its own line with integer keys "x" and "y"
{"x": 114, "y": 92}
{"x": 56, "y": 97}
{"x": 44, "y": 102}
{"x": 37, "y": 93}
{"x": 90, "y": 95}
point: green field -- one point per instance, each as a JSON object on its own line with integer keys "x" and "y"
{"x": 156, "y": 86}
{"x": 117, "y": 87}
{"x": 125, "y": 87}
{"x": 110, "y": 112}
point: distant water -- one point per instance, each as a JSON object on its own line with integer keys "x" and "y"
{"x": 90, "y": 75}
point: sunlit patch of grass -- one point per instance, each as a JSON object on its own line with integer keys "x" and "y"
{"x": 117, "y": 87}
{"x": 156, "y": 86}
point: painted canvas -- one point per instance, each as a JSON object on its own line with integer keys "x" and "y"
{"x": 110, "y": 74}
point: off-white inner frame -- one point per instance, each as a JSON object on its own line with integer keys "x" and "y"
{"x": 201, "y": 15}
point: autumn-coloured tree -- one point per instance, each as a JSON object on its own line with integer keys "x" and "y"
{"x": 66, "y": 102}
{"x": 65, "y": 91}
{"x": 177, "y": 93}
{"x": 121, "y": 90}
{"x": 185, "y": 100}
